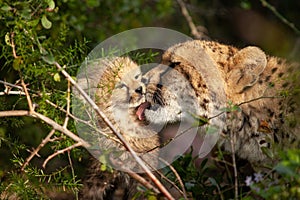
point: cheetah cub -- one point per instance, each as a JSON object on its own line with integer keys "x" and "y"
{"x": 112, "y": 82}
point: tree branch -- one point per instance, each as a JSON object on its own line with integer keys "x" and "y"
{"x": 31, "y": 110}
{"x": 60, "y": 152}
{"x": 56, "y": 126}
{"x": 13, "y": 46}
{"x": 41, "y": 145}
{"x": 194, "y": 31}
{"x": 114, "y": 130}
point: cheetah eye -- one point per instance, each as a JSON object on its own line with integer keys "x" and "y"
{"x": 120, "y": 85}
{"x": 139, "y": 90}
{"x": 137, "y": 76}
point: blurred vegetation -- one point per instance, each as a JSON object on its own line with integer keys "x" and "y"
{"x": 68, "y": 30}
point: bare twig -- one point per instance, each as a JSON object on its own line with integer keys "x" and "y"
{"x": 183, "y": 191}
{"x": 13, "y": 46}
{"x": 60, "y": 152}
{"x": 232, "y": 143}
{"x": 141, "y": 180}
{"x": 13, "y": 113}
{"x": 41, "y": 145}
{"x": 114, "y": 130}
{"x": 259, "y": 98}
{"x": 61, "y": 129}
{"x": 12, "y": 93}
{"x": 31, "y": 110}
{"x": 6, "y": 84}
{"x": 83, "y": 121}
{"x": 187, "y": 16}
{"x": 68, "y": 105}
{"x": 73, "y": 174}
{"x": 11, "y": 85}
{"x": 245, "y": 102}
{"x": 222, "y": 161}
{"x": 280, "y": 16}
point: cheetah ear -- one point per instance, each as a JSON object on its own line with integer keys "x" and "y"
{"x": 248, "y": 64}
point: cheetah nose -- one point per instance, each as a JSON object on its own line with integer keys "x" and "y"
{"x": 139, "y": 90}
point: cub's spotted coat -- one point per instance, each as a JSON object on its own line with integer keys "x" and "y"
{"x": 113, "y": 83}
{"x": 260, "y": 85}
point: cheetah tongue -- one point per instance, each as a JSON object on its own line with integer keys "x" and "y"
{"x": 141, "y": 109}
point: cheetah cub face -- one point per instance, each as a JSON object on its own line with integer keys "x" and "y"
{"x": 121, "y": 85}
{"x": 187, "y": 83}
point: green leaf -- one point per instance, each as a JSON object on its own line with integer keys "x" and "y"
{"x": 268, "y": 152}
{"x": 203, "y": 163}
{"x": 231, "y": 107}
{"x": 283, "y": 168}
{"x": 93, "y": 3}
{"x": 199, "y": 120}
{"x": 56, "y": 77}
{"x": 246, "y": 5}
{"x": 103, "y": 159}
{"x": 103, "y": 167}
{"x": 213, "y": 181}
{"x": 16, "y": 63}
{"x": 7, "y": 39}
{"x": 51, "y": 4}
{"x": 236, "y": 108}
{"x": 26, "y": 13}
{"x": 211, "y": 130}
{"x": 151, "y": 197}
{"x": 49, "y": 59}
{"x": 45, "y": 22}
{"x": 294, "y": 156}
{"x": 6, "y": 8}
{"x": 33, "y": 23}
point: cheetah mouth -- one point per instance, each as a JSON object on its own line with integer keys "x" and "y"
{"x": 140, "y": 112}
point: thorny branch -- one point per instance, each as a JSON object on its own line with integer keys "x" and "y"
{"x": 67, "y": 149}
{"x": 11, "y": 85}
{"x": 15, "y": 113}
{"x": 119, "y": 135}
{"x": 35, "y": 151}
{"x": 49, "y": 121}
{"x": 8, "y": 91}
{"x": 55, "y": 126}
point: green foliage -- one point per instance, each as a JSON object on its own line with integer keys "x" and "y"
{"x": 145, "y": 57}
{"x": 197, "y": 180}
{"x": 282, "y": 182}
{"x": 231, "y": 107}
{"x": 32, "y": 30}
{"x": 20, "y": 186}
{"x": 36, "y": 33}
{"x": 204, "y": 180}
